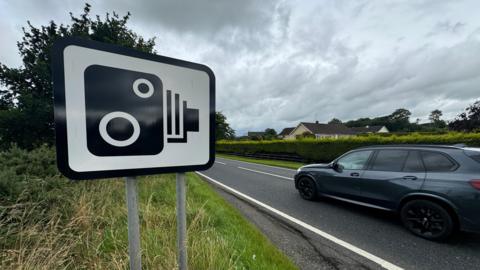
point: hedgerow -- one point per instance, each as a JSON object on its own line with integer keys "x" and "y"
{"x": 325, "y": 150}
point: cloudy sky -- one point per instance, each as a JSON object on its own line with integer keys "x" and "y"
{"x": 281, "y": 62}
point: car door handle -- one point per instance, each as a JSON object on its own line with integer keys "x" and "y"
{"x": 408, "y": 177}
{"x": 354, "y": 174}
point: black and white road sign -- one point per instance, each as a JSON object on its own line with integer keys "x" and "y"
{"x": 121, "y": 112}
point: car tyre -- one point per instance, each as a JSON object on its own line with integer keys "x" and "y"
{"x": 427, "y": 219}
{"x": 307, "y": 188}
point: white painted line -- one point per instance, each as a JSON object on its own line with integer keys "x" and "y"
{"x": 223, "y": 163}
{"x": 385, "y": 264}
{"x": 271, "y": 174}
{"x": 253, "y": 163}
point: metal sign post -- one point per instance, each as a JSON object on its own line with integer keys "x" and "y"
{"x": 181, "y": 222}
{"x": 133, "y": 224}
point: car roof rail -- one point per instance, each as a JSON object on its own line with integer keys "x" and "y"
{"x": 460, "y": 145}
{"x": 456, "y": 146}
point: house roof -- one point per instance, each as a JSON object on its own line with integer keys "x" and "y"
{"x": 367, "y": 129}
{"x": 317, "y": 128}
{"x": 255, "y": 133}
{"x": 286, "y": 131}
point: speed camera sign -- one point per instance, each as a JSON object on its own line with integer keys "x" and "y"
{"x": 121, "y": 112}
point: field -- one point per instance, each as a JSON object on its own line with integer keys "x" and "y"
{"x": 49, "y": 222}
{"x": 325, "y": 150}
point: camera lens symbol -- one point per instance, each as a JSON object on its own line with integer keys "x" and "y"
{"x": 119, "y": 143}
{"x": 139, "y": 93}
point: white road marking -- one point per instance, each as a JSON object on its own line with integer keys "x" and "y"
{"x": 271, "y": 174}
{"x": 253, "y": 163}
{"x": 383, "y": 263}
{"x": 223, "y": 163}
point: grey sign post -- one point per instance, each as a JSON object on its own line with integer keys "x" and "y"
{"x": 134, "y": 250}
{"x": 122, "y": 113}
{"x": 181, "y": 222}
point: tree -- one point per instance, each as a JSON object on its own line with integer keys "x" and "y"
{"x": 399, "y": 120}
{"x": 435, "y": 120}
{"x": 223, "y": 131}
{"x": 435, "y": 116}
{"x": 270, "y": 134}
{"x": 335, "y": 121}
{"x": 468, "y": 120}
{"x": 400, "y": 115}
{"x": 26, "y": 105}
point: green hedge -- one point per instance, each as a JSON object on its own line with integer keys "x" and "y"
{"x": 325, "y": 150}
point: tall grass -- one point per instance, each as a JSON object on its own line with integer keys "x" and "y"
{"x": 48, "y": 222}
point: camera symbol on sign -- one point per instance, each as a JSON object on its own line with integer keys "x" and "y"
{"x": 125, "y": 113}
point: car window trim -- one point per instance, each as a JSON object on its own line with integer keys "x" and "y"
{"x": 455, "y": 163}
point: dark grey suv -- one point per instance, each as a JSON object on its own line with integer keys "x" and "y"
{"x": 435, "y": 189}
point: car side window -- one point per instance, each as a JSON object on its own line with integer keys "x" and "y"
{"x": 414, "y": 162}
{"x": 354, "y": 161}
{"x": 436, "y": 162}
{"x": 389, "y": 160}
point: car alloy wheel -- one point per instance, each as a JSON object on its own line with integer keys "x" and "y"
{"x": 427, "y": 219}
{"x": 307, "y": 188}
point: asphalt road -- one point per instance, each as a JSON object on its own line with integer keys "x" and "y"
{"x": 375, "y": 232}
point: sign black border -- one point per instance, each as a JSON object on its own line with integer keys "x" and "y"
{"x": 58, "y": 76}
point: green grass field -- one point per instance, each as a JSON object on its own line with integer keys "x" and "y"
{"x": 48, "y": 222}
{"x": 270, "y": 162}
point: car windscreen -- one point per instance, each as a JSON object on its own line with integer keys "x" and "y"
{"x": 474, "y": 153}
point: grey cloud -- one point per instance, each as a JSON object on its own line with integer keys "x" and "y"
{"x": 446, "y": 27}
{"x": 201, "y": 16}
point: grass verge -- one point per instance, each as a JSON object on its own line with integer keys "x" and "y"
{"x": 270, "y": 162}
{"x": 48, "y": 222}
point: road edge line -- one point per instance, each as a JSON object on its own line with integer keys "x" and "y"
{"x": 271, "y": 174}
{"x": 260, "y": 164}
{"x": 383, "y": 263}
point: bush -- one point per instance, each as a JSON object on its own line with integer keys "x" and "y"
{"x": 325, "y": 150}
{"x": 27, "y": 173}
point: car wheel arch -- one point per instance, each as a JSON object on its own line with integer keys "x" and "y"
{"x": 448, "y": 205}
{"x": 308, "y": 176}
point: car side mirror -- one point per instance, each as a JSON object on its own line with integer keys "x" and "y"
{"x": 336, "y": 167}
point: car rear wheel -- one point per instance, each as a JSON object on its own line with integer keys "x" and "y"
{"x": 427, "y": 219}
{"x": 307, "y": 188}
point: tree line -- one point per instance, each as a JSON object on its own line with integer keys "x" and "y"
{"x": 399, "y": 121}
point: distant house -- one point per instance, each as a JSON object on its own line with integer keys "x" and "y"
{"x": 370, "y": 129}
{"x": 285, "y": 132}
{"x": 255, "y": 134}
{"x": 319, "y": 130}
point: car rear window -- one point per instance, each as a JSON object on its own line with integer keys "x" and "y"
{"x": 389, "y": 160}
{"x": 474, "y": 153}
{"x": 437, "y": 162}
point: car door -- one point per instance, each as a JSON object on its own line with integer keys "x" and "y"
{"x": 342, "y": 181}
{"x": 392, "y": 174}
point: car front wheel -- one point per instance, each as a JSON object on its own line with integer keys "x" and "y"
{"x": 307, "y": 188}
{"x": 427, "y": 219}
